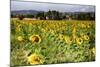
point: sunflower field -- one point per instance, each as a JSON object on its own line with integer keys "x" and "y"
{"x": 36, "y": 42}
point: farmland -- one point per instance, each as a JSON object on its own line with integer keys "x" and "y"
{"x": 52, "y": 41}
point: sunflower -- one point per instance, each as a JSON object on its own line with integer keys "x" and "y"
{"x": 51, "y": 31}
{"x": 20, "y": 38}
{"x": 43, "y": 30}
{"x": 34, "y": 59}
{"x": 93, "y": 50}
{"x": 68, "y": 40}
{"x": 30, "y": 23}
{"x": 86, "y": 37}
{"x": 81, "y": 34}
{"x": 83, "y": 25}
{"x": 74, "y": 30}
{"x": 89, "y": 25}
{"x": 79, "y": 40}
{"x": 61, "y": 37}
{"x": 35, "y": 38}
{"x": 18, "y": 27}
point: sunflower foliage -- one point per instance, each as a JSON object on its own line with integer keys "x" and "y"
{"x": 49, "y": 42}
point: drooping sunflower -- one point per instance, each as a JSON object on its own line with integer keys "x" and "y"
{"x": 79, "y": 41}
{"x": 35, "y": 38}
{"x": 35, "y": 59}
{"x": 20, "y": 38}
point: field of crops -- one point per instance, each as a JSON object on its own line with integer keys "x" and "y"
{"x": 51, "y": 41}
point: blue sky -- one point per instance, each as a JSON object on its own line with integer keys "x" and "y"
{"x": 25, "y": 5}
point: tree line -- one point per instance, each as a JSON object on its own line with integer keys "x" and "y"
{"x": 56, "y": 15}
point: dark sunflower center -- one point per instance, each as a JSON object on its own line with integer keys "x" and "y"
{"x": 88, "y": 33}
{"x": 36, "y": 39}
{"x": 79, "y": 40}
{"x": 37, "y": 59}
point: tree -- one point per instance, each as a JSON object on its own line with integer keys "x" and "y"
{"x": 21, "y": 17}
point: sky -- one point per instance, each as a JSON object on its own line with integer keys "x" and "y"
{"x": 26, "y": 5}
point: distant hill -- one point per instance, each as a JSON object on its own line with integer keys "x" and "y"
{"x": 25, "y": 12}
{"x": 34, "y": 12}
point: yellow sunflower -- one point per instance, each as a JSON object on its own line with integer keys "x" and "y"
{"x": 51, "y": 31}
{"x": 81, "y": 34}
{"x": 43, "y": 30}
{"x": 34, "y": 59}
{"x": 89, "y": 25}
{"x": 18, "y": 27}
{"x": 20, "y": 38}
{"x": 86, "y": 37}
{"x": 79, "y": 40}
{"x": 74, "y": 30}
{"x": 35, "y": 38}
{"x": 61, "y": 37}
{"x": 68, "y": 40}
{"x": 83, "y": 25}
{"x": 93, "y": 50}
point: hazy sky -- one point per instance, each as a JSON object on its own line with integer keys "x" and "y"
{"x": 25, "y": 5}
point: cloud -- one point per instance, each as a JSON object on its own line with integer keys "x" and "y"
{"x": 24, "y": 5}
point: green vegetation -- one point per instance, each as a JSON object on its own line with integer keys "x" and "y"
{"x": 51, "y": 41}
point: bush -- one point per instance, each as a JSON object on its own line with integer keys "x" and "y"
{"x": 21, "y": 17}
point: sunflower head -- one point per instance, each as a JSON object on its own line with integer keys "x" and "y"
{"x": 74, "y": 30}
{"x": 43, "y": 30}
{"x": 79, "y": 41}
{"x": 20, "y": 38}
{"x": 68, "y": 40}
{"x": 18, "y": 27}
{"x": 86, "y": 37}
{"x": 83, "y": 25}
{"x": 93, "y": 50}
{"x": 35, "y": 38}
{"x": 35, "y": 59}
{"x": 89, "y": 25}
{"x": 51, "y": 31}
{"x": 61, "y": 37}
{"x": 81, "y": 34}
